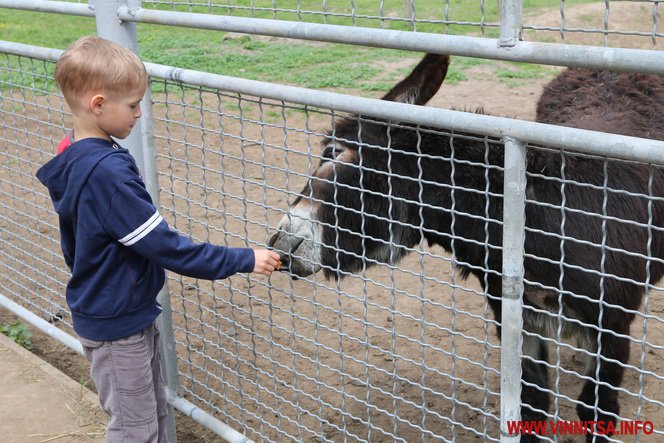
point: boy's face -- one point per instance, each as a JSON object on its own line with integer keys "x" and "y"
{"x": 120, "y": 112}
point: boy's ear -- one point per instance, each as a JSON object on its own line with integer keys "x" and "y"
{"x": 96, "y": 102}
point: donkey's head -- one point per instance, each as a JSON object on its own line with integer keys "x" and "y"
{"x": 350, "y": 213}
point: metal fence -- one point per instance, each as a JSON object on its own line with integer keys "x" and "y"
{"x": 392, "y": 352}
{"x": 565, "y": 21}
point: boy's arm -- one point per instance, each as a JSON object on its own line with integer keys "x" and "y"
{"x": 133, "y": 220}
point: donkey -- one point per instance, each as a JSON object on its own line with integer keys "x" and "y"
{"x": 593, "y": 236}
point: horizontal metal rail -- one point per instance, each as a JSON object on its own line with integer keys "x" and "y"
{"x": 578, "y": 140}
{"x": 80, "y": 9}
{"x": 41, "y": 324}
{"x": 571, "y": 139}
{"x": 38, "y": 52}
{"x": 617, "y": 59}
{"x": 200, "y": 416}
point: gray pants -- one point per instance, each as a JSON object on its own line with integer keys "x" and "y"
{"x": 128, "y": 377}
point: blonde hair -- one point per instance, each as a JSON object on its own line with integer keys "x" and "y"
{"x": 96, "y": 64}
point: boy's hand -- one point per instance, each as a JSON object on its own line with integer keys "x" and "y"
{"x": 266, "y": 261}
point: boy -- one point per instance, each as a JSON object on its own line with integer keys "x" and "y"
{"x": 116, "y": 243}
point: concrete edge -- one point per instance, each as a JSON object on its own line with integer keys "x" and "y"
{"x": 70, "y": 386}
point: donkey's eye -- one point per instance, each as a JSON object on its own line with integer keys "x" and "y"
{"x": 331, "y": 152}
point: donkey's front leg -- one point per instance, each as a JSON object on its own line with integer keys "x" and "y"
{"x": 535, "y": 397}
{"x": 614, "y": 354}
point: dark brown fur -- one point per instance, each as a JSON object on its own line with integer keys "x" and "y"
{"x": 628, "y": 104}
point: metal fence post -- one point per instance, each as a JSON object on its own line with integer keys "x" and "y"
{"x": 110, "y": 27}
{"x": 514, "y": 219}
{"x": 142, "y": 147}
{"x": 511, "y": 20}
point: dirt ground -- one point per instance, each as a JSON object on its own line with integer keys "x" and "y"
{"x": 288, "y": 359}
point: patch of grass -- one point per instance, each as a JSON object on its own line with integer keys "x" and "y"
{"x": 377, "y": 86}
{"x": 454, "y": 76}
{"x": 308, "y": 65}
{"x": 513, "y": 73}
{"x": 458, "y": 65}
{"x": 84, "y": 378}
{"x": 42, "y": 29}
{"x": 19, "y": 333}
{"x": 335, "y": 75}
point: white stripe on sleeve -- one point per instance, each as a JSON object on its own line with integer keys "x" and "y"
{"x": 142, "y": 230}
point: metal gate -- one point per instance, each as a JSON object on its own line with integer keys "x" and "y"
{"x": 391, "y": 352}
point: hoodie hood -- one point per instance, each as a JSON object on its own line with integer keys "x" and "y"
{"x": 66, "y": 174}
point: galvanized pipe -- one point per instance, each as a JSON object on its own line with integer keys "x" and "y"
{"x": 571, "y": 139}
{"x": 41, "y": 324}
{"x": 80, "y": 9}
{"x": 617, "y": 59}
{"x": 579, "y": 140}
{"x": 109, "y": 27}
{"x": 200, "y": 416}
{"x": 514, "y": 222}
{"x": 23, "y": 50}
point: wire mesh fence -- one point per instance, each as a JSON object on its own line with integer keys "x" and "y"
{"x": 373, "y": 356}
{"x": 32, "y": 120}
{"x": 602, "y": 276}
{"x": 409, "y": 14}
{"x": 405, "y": 352}
{"x": 606, "y": 23}
{"x": 632, "y": 24}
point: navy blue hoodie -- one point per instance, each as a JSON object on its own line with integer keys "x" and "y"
{"x": 116, "y": 243}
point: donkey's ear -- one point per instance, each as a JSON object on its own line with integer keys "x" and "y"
{"x": 422, "y": 83}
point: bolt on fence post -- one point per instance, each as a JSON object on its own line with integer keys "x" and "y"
{"x": 514, "y": 221}
{"x": 141, "y": 145}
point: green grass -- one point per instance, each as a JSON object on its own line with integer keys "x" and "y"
{"x": 307, "y": 64}
{"x": 513, "y": 74}
{"x": 50, "y": 30}
{"x": 18, "y": 332}
{"x": 324, "y": 66}
{"x": 457, "y": 71}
